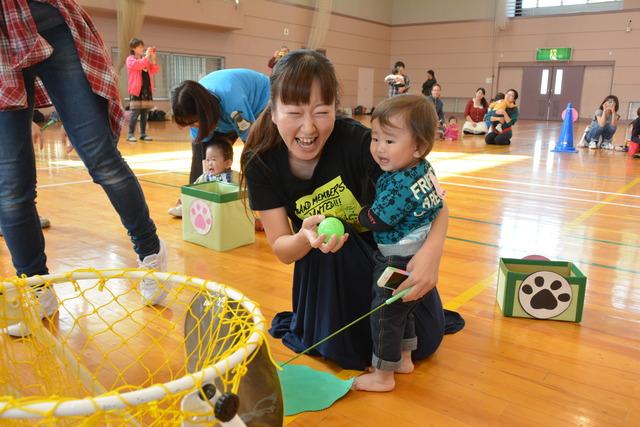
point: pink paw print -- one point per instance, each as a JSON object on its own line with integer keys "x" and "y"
{"x": 200, "y": 216}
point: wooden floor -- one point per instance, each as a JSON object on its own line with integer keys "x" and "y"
{"x": 504, "y": 202}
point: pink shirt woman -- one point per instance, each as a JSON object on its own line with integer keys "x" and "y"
{"x": 141, "y": 66}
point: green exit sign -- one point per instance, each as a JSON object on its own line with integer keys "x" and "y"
{"x": 553, "y": 54}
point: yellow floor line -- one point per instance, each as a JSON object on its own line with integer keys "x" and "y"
{"x": 470, "y": 293}
{"x": 597, "y": 207}
{"x": 290, "y": 419}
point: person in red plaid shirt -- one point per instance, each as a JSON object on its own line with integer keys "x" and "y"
{"x": 51, "y": 53}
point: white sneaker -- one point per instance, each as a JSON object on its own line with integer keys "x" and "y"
{"x": 607, "y": 145}
{"x": 593, "y": 145}
{"x": 151, "y": 291}
{"x": 583, "y": 142}
{"x": 48, "y": 306}
{"x": 176, "y": 211}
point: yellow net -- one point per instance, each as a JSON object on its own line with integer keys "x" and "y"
{"x": 106, "y": 358}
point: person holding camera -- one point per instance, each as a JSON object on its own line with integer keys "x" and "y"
{"x": 604, "y": 124}
{"x": 141, "y": 65}
{"x": 277, "y": 55}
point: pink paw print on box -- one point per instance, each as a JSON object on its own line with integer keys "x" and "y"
{"x": 200, "y": 217}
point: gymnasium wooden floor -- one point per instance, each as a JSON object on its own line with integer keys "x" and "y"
{"x": 504, "y": 202}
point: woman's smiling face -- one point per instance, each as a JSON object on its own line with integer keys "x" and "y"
{"x": 305, "y": 128}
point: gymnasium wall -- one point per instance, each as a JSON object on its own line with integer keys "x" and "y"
{"x": 465, "y": 52}
{"x": 350, "y": 42}
{"x": 371, "y": 10}
{"x": 421, "y": 11}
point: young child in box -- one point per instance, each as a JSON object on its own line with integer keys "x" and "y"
{"x": 451, "y": 132}
{"x": 408, "y": 199}
{"x": 217, "y": 163}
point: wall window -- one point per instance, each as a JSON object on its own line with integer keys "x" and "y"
{"x": 174, "y": 68}
{"x": 552, "y": 7}
{"x": 544, "y": 82}
{"x": 557, "y": 90}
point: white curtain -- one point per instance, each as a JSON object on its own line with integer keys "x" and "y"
{"x": 130, "y": 17}
{"x": 320, "y": 25}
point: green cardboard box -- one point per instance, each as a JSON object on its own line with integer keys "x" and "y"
{"x": 541, "y": 289}
{"x": 214, "y": 215}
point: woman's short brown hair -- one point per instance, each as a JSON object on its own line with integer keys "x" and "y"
{"x": 134, "y": 43}
{"x": 419, "y": 116}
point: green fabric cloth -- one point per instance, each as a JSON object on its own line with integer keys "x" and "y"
{"x": 306, "y": 389}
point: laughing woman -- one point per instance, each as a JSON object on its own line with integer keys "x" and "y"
{"x": 302, "y": 163}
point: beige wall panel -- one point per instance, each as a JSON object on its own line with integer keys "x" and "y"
{"x": 509, "y": 78}
{"x": 595, "y": 86}
{"x": 412, "y": 11}
{"x": 463, "y": 54}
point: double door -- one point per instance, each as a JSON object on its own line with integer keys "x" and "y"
{"x": 546, "y": 90}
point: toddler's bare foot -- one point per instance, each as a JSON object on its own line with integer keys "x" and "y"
{"x": 406, "y": 365}
{"x": 375, "y": 381}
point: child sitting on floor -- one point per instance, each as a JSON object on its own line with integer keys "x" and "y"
{"x": 451, "y": 132}
{"x": 634, "y": 140}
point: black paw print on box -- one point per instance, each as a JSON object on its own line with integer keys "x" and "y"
{"x": 545, "y": 294}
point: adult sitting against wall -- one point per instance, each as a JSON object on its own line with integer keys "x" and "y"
{"x": 502, "y": 121}
{"x": 474, "y": 114}
{"x": 604, "y": 124}
{"x": 436, "y": 91}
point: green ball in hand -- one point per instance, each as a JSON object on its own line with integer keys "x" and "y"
{"x": 330, "y": 226}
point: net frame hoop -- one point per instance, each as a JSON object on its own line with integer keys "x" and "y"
{"x": 88, "y": 406}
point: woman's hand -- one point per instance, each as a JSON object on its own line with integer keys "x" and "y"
{"x": 505, "y": 116}
{"x": 310, "y": 230}
{"x": 68, "y": 148}
{"x": 36, "y": 137}
{"x": 424, "y": 269}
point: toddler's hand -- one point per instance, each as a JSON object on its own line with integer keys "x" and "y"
{"x": 36, "y": 135}
{"x": 68, "y": 148}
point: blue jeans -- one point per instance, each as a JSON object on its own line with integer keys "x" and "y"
{"x": 393, "y": 328}
{"x": 86, "y": 120}
{"x": 607, "y": 131}
{"x": 143, "y": 114}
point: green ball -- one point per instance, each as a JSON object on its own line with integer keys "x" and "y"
{"x": 330, "y": 226}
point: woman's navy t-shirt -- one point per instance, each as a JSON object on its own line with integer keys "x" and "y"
{"x": 342, "y": 182}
